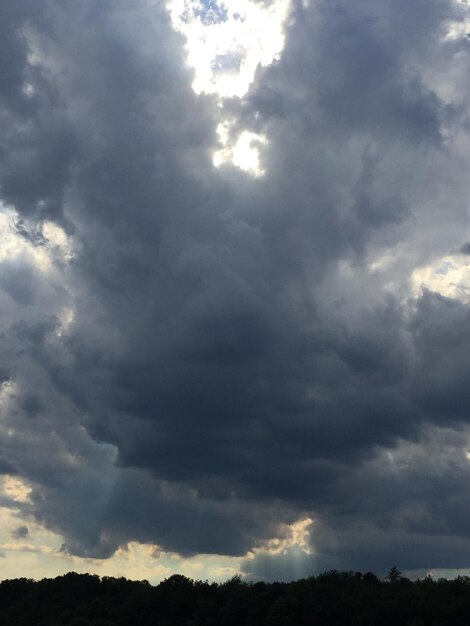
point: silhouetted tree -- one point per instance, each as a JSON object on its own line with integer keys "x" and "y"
{"x": 333, "y": 598}
{"x": 394, "y": 575}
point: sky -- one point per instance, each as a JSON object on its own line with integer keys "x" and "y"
{"x": 234, "y": 287}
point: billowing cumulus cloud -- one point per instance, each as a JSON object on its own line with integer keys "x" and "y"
{"x": 199, "y": 359}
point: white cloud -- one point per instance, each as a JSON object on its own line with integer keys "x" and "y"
{"x": 460, "y": 28}
{"x": 226, "y": 43}
{"x": 449, "y": 276}
{"x": 243, "y": 153}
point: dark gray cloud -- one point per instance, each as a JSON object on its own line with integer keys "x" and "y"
{"x": 222, "y": 354}
{"x": 20, "y": 533}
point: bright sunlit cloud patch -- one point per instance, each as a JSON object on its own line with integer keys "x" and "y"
{"x": 15, "y": 488}
{"x": 296, "y": 537}
{"x": 226, "y": 42}
{"x": 46, "y": 251}
{"x": 449, "y": 276}
{"x": 244, "y": 153}
{"x": 459, "y": 29}
{"x": 39, "y": 245}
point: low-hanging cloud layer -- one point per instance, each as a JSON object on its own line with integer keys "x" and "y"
{"x": 197, "y": 358}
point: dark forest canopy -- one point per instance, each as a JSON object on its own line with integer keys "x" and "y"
{"x": 332, "y": 598}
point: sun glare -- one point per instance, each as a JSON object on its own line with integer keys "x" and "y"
{"x": 226, "y": 42}
{"x": 244, "y": 153}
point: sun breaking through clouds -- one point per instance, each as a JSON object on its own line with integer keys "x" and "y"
{"x": 227, "y": 41}
{"x": 226, "y": 44}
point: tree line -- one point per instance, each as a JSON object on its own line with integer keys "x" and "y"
{"x": 330, "y": 599}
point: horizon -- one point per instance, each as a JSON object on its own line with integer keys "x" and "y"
{"x": 394, "y": 574}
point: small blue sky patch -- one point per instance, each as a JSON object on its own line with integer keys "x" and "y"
{"x": 210, "y": 12}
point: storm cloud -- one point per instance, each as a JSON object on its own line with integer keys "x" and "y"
{"x": 193, "y": 357}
